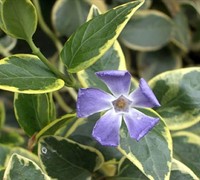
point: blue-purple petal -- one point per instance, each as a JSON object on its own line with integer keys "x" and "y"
{"x": 117, "y": 81}
{"x": 106, "y": 129}
{"x": 92, "y": 100}
{"x": 139, "y": 124}
{"x": 144, "y": 96}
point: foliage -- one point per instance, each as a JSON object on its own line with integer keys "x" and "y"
{"x": 157, "y": 40}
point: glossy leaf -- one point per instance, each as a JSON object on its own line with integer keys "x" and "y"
{"x": 5, "y": 150}
{"x": 195, "y": 129}
{"x": 191, "y": 9}
{"x": 112, "y": 59}
{"x": 93, "y": 12}
{"x": 178, "y": 92}
{"x": 52, "y": 128}
{"x": 11, "y": 138}
{"x": 81, "y": 132}
{"x": 128, "y": 171}
{"x": 148, "y": 30}
{"x": 20, "y": 167}
{"x": 19, "y": 19}
{"x": 155, "y": 62}
{"x": 63, "y": 158}
{"x": 27, "y": 74}
{"x": 96, "y": 36}
{"x": 34, "y": 111}
{"x": 181, "y": 172}
{"x": 181, "y": 35}
{"x": 68, "y": 15}
{"x": 152, "y": 155}
{"x": 186, "y": 149}
{"x": 25, "y": 153}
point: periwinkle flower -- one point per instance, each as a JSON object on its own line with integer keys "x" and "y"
{"x": 118, "y": 106}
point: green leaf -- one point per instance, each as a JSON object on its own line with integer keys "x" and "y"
{"x": 180, "y": 171}
{"x": 195, "y": 129}
{"x": 19, "y": 18}
{"x": 112, "y": 59}
{"x": 52, "y": 128}
{"x": 67, "y": 15}
{"x": 195, "y": 4}
{"x": 27, "y": 74}
{"x": 34, "y": 111}
{"x": 25, "y": 153}
{"x": 63, "y": 158}
{"x": 2, "y": 114}
{"x": 81, "y": 132}
{"x": 93, "y": 12}
{"x": 181, "y": 35}
{"x": 5, "y": 150}
{"x": 20, "y": 167}
{"x": 141, "y": 33}
{"x": 152, "y": 155}
{"x": 186, "y": 149}
{"x": 178, "y": 91}
{"x": 128, "y": 171}
{"x": 11, "y": 138}
{"x": 155, "y": 62}
{"x": 96, "y": 36}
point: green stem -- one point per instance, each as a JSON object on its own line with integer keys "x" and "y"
{"x": 72, "y": 92}
{"x": 62, "y": 103}
{"x": 45, "y": 28}
{"x": 56, "y": 41}
{"x": 74, "y": 126}
{"x": 49, "y": 32}
{"x": 37, "y": 52}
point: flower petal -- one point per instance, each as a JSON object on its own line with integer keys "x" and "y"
{"x": 92, "y": 100}
{"x": 117, "y": 81}
{"x": 106, "y": 129}
{"x": 144, "y": 96}
{"x": 139, "y": 124}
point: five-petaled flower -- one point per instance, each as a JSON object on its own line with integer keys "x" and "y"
{"x": 121, "y": 104}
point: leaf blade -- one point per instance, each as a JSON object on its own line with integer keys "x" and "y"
{"x": 19, "y": 19}
{"x": 178, "y": 93}
{"x": 58, "y": 153}
{"x": 34, "y": 111}
{"x": 27, "y": 74}
{"x": 82, "y": 49}
{"x": 153, "y": 153}
{"x": 18, "y": 164}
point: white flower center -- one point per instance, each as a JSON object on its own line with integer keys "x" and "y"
{"x": 121, "y": 104}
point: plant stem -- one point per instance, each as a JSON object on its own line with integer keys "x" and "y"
{"x": 61, "y": 102}
{"x": 72, "y": 92}
{"x": 45, "y": 28}
{"x": 37, "y": 52}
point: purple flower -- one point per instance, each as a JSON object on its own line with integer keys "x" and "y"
{"x": 121, "y": 104}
